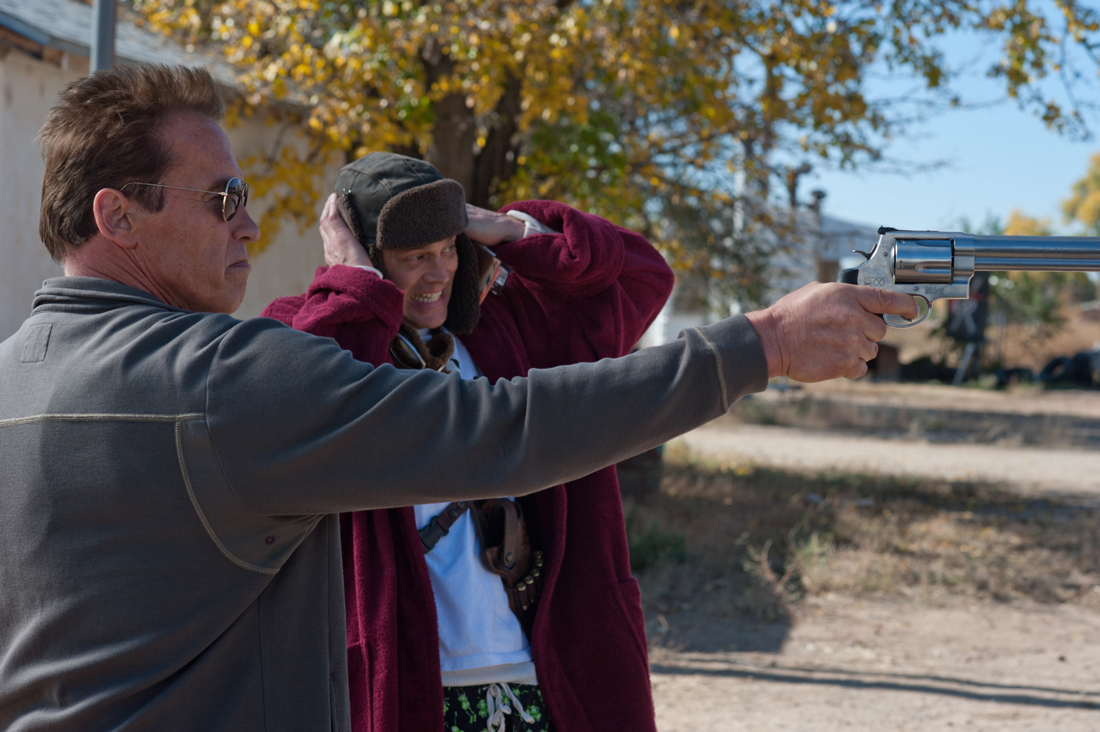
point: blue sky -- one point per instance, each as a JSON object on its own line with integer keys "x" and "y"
{"x": 1000, "y": 158}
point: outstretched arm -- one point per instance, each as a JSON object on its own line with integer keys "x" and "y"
{"x": 300, "y": 428}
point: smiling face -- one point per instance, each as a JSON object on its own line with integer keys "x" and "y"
{"x": 198, "y": 261}
{"x": 426, "y": 275}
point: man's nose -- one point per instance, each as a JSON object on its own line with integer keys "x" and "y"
{"x": 244, "y": 228}
{"x": 438, "y": 271}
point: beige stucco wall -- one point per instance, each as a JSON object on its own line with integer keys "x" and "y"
{"x": 286, "y": 265}
{"x": 28, "y": 88}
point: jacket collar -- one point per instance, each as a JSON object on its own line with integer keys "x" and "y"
{"x": 91, "y": 294}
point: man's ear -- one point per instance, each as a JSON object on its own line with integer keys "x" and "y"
{"x": 112, "y": 217}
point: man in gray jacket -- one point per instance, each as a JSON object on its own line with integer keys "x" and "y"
{"x": 169, "y": 476}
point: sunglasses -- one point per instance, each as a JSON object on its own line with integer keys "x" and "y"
{"x": 234, "y": 198}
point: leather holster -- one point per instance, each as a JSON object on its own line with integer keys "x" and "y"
{"x": 506, "y": 551}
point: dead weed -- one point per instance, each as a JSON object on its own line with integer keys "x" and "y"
{"x": 734, "y": 539}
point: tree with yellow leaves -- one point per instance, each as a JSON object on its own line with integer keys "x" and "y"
{"x": 1083, "y": 205}
{"x": 621, "y": 107}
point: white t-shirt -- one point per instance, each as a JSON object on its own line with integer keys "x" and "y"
{"x": 480, "y": 638}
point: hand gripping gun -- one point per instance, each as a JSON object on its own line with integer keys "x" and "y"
{"x": 937, "y": 265}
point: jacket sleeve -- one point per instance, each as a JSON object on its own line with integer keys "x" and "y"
{"x": 585, "y": 294}
{"x": 296, "y": 426}
{"x": 356, "y": 308}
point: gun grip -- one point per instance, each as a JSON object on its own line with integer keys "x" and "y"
{"x": 849, "y": 276}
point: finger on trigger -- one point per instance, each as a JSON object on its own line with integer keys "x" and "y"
{"x": 877, "y": 300}
{"x": 901, "y": 304}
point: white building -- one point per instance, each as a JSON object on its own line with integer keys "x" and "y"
{"x": 43, "y": 47}
{"x": 825, "y": 247}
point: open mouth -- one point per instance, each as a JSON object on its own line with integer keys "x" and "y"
{"x": 427, "y": 297}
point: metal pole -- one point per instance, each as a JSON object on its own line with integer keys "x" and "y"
{"x": 103, "y": 35}
{"x": 964, "y": 363}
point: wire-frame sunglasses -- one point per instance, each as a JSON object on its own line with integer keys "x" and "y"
{"x": 234, "y": 198}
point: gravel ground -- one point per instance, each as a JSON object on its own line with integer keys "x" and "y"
{"x": 848, "y": 664}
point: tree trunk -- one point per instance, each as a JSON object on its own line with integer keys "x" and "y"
{"x": 454, "y": 135}
{"x": 497, "y": 162}
{"x": 455, "y": 130}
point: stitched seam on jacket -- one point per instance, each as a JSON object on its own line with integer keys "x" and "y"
{"x": 99, "y": 418}
{"x": 721, "y": 375}
{"x": 202, "y": 516}
{"x": 213, "y": 446}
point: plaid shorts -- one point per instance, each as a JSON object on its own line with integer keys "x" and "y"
{"x": 467, "y": 709}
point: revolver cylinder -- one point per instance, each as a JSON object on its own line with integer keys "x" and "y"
{"x": 923, "y": 261}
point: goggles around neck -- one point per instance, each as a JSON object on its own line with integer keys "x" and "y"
{"x": 405, "y": 355}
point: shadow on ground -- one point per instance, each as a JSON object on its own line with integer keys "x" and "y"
{"x": 959, "y": 688}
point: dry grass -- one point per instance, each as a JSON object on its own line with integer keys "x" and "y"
{"x": 733, "y": 539}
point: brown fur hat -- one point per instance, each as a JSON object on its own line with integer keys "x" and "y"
{"x": 391, "y": 201}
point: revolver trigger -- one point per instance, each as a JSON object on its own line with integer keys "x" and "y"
{"x": 924, "y": 309}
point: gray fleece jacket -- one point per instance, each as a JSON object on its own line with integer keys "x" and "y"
{"x": 169, "y": 550}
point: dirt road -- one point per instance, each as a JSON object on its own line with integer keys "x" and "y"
{"x": 1028, "y": 469}
{"x": 881, "y": 665}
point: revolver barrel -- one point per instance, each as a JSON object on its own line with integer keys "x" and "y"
{"x": 1036, "y": 253}
{"x": 938, "y": 265}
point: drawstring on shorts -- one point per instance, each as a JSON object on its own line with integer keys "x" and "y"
{"x": 494, "y": 699}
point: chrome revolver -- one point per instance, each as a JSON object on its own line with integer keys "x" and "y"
{"x": 938, "y": 265}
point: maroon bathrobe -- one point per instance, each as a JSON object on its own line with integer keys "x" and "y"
{"x": 583, "y": 295}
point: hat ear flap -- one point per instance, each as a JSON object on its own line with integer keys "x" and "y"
{"x": 347, "y": 213}
{"x": 464, "y": 307}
